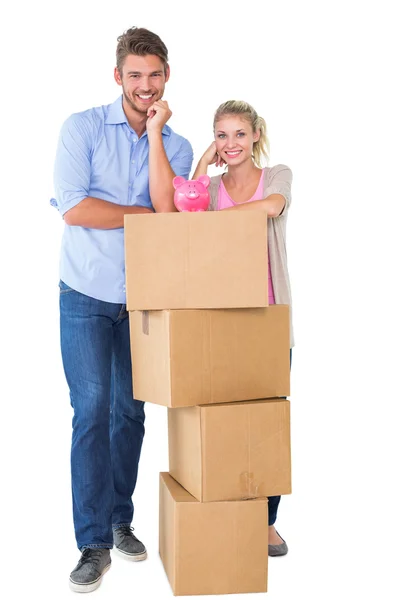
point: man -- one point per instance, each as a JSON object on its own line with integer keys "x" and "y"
{"x": 111, "y": 161}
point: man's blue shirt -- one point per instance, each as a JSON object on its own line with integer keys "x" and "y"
{"x": 100, "y": 155}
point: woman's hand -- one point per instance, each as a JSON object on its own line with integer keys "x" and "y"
{"x": 212, "y": 157}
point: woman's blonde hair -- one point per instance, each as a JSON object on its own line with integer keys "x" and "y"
{"x": 246, "y": 111}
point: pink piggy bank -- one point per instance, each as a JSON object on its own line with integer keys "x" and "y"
{"x": 192, "y": 195}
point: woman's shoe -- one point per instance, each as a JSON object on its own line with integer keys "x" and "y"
{"x": 278, "y": 549}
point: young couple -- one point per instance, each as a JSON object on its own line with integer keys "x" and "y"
{"x": 115, "y": 160}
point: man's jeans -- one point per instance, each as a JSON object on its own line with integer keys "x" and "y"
{"x": 273, "y": 501}
{"x": 108, "y": 424}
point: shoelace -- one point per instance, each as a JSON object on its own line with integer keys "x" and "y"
{"x": 92, "y": 555}
{"x": 125, "y": 530}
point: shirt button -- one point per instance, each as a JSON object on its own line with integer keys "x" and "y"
{"x": 133, "y": 162}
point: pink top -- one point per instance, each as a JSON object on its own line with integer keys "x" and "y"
{"x": 225, "y": 201}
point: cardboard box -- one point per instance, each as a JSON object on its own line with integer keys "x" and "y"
{"x": 196, "y": 260}
{"x": 231, "y": 451}
{"x": 213, "y": 547}
{"x": 192, "y": 357}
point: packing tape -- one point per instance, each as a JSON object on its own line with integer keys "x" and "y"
{"x": 248, "y": 485}
{"x": 145, "y": 322}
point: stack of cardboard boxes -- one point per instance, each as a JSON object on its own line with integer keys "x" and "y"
{"x": 206, "y": 345}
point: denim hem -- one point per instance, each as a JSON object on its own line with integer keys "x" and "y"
{"x": 106, "y": 546}
{"x": 118, "y": 525}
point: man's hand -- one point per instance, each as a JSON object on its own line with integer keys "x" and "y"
{"x": 158, "y": 114}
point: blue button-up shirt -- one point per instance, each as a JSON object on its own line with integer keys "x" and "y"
{"x": 100, "y": 155}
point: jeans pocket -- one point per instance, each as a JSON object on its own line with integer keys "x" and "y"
{"x": 64, "y": 288}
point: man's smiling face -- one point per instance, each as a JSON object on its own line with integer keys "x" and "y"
{"x": 143, "y": 80}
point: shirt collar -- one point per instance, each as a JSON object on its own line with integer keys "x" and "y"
{"x": 116, "y": 113}
{"x": 116, "y": 116}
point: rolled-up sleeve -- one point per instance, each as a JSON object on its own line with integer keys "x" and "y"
{"x": 182, "y": 161}
{"x": 72, "y": 164}
{"x": 280, "y": 182}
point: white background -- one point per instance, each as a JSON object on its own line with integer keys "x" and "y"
{"x": 325, "y": 77}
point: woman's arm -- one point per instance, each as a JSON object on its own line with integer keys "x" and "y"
{"x": 277, "y": 195}
{"x": 209, "y": 157}
{"x": 273, "y": 205}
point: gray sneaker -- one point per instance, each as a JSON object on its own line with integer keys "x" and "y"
{"x": 87, "y": 575}
{"x": 127, "y": 545}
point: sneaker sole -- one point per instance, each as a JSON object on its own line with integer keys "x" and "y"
{"x": 88, "y": 587}
{"x": 133, "y": 557}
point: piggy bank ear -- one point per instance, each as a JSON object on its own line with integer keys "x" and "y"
{"x": 204, "y": 179}
{"x": 177, "y": 181}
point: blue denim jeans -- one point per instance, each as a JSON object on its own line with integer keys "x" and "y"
{"x": 273, "y": 501}
{"x": 108, "y": 424}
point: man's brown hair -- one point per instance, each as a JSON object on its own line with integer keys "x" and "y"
{"x": 140, "y": 41}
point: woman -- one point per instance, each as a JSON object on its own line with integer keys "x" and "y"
{"x": 241, "y": 143}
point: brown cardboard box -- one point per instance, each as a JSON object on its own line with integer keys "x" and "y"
{"x": 213, "y": 547}
{"x": 231, "y": 451}
{"x": 192, "y": 357}
{"x": 196, "y": 260}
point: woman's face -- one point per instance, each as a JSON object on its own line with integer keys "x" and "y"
{"x": 234, "y": 139}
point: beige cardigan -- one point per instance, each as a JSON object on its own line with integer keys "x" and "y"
{"x": 277, "y": 180}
